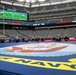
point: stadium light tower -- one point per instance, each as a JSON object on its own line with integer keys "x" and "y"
{"x": 3, "y": 19}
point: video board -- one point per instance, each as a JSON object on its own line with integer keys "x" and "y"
{"x": 13, "y": 15}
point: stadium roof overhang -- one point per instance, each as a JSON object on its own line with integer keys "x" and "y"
{"x": 34, "y": 3}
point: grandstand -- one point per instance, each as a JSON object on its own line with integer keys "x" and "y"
{"x": 44, "y": 15}
{"x": 24, "y": 24}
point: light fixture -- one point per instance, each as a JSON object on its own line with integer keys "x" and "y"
{"x": 21, "y": 0}
{"x": 30, "y": 1}
{"x": 41, "y": 0}
{"x": 33, "y": 1}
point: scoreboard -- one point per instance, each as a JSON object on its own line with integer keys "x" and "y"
{"x": 13, "y": 15}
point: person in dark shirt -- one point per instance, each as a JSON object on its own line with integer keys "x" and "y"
{"x": 58, "y": 39}
{"x": 54, "y": 39}
{"x": 37, "y": 38}
{"x": 23, "y": 39}
{"x": 26, "y": 40}
{"x": 2, "y": 40}
{"x": 17, "y": 39}
{"x": 66, "y": 38}
{"x": 42, "y": 39}
{"x": 32, "y": 39}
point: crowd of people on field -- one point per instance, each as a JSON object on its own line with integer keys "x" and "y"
{"x": 17, "y": 39}
{"x": 58, "y": 38}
